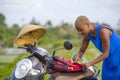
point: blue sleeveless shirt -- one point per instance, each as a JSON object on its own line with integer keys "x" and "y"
{"x": 110, "y": 67}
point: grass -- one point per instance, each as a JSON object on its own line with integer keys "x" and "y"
{"x": 7, "y": 69}
{"x": 6, "y": 59}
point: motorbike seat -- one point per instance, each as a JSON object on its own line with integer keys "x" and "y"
{"x": 82, "y": 75}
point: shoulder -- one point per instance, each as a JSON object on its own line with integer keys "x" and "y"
{"x": 106, "y": 26}
{"x": 105, "y": 29}
{"x": 104, "y": 32}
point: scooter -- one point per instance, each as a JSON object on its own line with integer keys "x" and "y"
{"x": 34, "y": 67}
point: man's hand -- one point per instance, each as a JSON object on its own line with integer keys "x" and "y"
{"x": 76, "y": 57}
{"x": 85, "y": 65}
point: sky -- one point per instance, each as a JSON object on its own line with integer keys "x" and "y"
{"x": 22, "y": 11}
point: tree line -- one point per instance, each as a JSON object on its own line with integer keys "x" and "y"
{"x": 54, "y": 33}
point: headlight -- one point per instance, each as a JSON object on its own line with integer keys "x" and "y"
{"x": 23, "y": 67}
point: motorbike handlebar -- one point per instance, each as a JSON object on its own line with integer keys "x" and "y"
{"x": 62, "y": 61}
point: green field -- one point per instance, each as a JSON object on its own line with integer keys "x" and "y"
{"x": 9, "y": 61}
{"x": 6, "y": 59}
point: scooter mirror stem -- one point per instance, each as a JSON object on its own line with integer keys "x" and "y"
{"x": 55, "y": 50}
{"x": 53, "y": 53}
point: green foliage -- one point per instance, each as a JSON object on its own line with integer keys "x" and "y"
{"x": 58, "y": 34}
{"x": 118, "y": 31}
{"x": 53, "y": 34}
{"x": 2, "y": 19}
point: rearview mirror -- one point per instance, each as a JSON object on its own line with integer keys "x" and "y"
{"x": 68, "y": 45}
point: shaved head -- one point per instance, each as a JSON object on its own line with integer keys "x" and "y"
{"x": 81, "y": 20}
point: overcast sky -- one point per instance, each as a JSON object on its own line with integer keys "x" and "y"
{"x": 22, "y": 11}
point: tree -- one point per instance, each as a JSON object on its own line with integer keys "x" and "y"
{"x": 3, "y": 28}
{"x": 12, "y": 34}
{"x": 14, "y": 29}
{"x": 62, "y": 33}
{"x": 2, "y": 19}
{"x": 48, "y": 24}
{"x": 34, "y": 22}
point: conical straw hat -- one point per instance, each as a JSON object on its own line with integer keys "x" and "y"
{"x": 29, "y": 34}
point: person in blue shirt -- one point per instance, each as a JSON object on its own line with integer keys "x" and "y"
{"x": 106, "y": 40}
